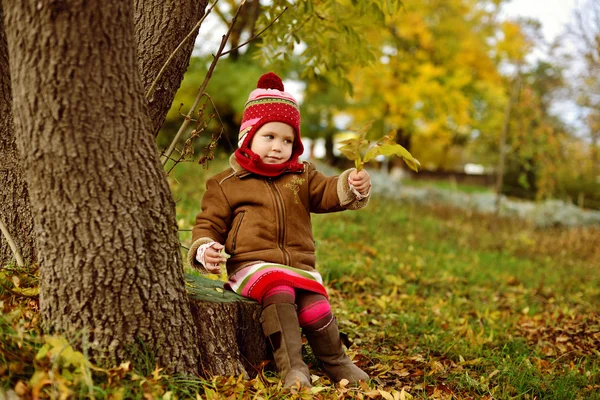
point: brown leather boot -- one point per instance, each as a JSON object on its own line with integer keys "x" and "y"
{"x": 327, "y": 347}
{"x": 280, "y": 325}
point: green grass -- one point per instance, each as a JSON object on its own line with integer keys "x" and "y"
{"x": 472, "y": 292}
{"x": 448, "y": 184}
{"x": 440, "y": 303}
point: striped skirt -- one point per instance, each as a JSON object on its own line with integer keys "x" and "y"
{"x": 257, "y": 279}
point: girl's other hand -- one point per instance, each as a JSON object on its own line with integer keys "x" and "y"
{"x": 213, "y": 258}
{"x": 361, "y": 180}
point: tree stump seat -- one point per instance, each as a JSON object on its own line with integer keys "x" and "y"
{"x": 230, "y": 336}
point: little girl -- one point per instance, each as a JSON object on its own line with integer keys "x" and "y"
{"x": 256, "y": 218}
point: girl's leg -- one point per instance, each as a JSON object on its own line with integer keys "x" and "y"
{"x": 279, "y": 294}
{"x": 321, "y": 330}
{"x": 281, "y": 327}
{"x": 314, "y": 311}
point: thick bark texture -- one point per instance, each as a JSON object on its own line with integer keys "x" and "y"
{"x": 108, "y": 250}
{"x": 160, "y": 26}
{"x": 229, "y": 331}
{"x": 14, "y": 197}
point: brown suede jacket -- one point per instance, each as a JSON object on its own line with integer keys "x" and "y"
{"x": 268, "y": 219}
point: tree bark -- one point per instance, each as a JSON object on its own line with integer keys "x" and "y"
{"x": 15, "y": 211}
{"x": 110, "y": 266}
{"x": 160, "y": 26}
{"x": 229, "y": 331}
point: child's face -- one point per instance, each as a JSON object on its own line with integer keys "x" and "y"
{"x": 273, "y": 142}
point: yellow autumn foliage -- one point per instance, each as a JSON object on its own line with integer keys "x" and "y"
{"x": 437, "y": 76}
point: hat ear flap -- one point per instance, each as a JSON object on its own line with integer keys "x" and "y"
{"x": 247, "y": 137}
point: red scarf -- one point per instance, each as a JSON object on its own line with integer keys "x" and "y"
{"x": 251, "y": 161}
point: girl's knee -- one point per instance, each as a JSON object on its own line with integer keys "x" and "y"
{"x": 279, "y": 294}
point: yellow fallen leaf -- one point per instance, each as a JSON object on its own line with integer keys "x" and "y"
{"x": 156, "y": 373}
{"x": 21, "y": 388}
{"x": 493, "y": 373}
{"x": 562, "y": 338}
{"x": 317, "y": 389}
{"x": 405, "y": 395}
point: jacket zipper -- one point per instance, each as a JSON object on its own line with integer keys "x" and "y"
{"x": 237, "y": 229}
{"x": 280, "y": 222}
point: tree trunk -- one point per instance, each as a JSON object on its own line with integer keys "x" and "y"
{"x": 14, "y": 208}
{"x": 515, "y": 87}
{"x": 229, "y": 331}
{"x": 595, "y": 150}
{"x": 110, "y": 266}
{"x": 160, "y": 26}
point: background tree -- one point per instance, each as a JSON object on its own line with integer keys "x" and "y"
{"x": 585, "y": 35}
{"x": 325, "y": 101}
{"x": 435, "y": 81}
{"x": 110, "y": 266}
{"x": 536, "y": 135}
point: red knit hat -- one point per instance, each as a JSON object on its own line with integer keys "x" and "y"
{"x": 269, "y": 103}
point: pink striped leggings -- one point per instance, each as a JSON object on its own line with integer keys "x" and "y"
{"x": 314, "y": 311}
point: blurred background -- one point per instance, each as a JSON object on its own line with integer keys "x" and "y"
{"x": 495, "y": 97}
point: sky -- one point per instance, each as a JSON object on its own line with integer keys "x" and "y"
{"x": 553, "y": 14}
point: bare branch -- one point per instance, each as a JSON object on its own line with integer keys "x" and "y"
{"x": 189, "y": 35}
{"x": 211, "y": 69}
{"x": 255, "y": 36}
{"x": 12, "y": 244}
{"x": 218, "y": 116}
{"x": 201, "y": 125}
{"x": 201, "y": 92}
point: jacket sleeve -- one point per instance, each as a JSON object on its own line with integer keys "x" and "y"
{"x": 212, "y": 223}
{"x": 329, "y": 194}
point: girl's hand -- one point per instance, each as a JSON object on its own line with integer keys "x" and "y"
{"x": 360, "y": 180}
{"x": 213, "y": 258}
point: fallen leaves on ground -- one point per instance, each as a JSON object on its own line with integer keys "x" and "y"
{"x": 446, "y": 305}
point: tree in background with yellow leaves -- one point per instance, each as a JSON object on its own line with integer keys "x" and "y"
{"x": 436, "y": 80}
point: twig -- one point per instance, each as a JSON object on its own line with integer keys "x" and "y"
{"x": 221, "y": 15}
{"x": 214, "y": 106}
{"x": 255, "y": 36}
{"x": 166, "y": 64}
{"x": 201, "y": 92}
{"x": 196, "y": 132}
{"x": 562, "y": 356}
{"x": 301, "y": 25}
{"x": 12, "y": 244}
{"x": 211, "y": 69}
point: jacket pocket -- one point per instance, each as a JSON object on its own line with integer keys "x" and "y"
{"x": 236, "y": 230}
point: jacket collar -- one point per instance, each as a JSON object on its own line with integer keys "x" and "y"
{"x": 237, "y": 168}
